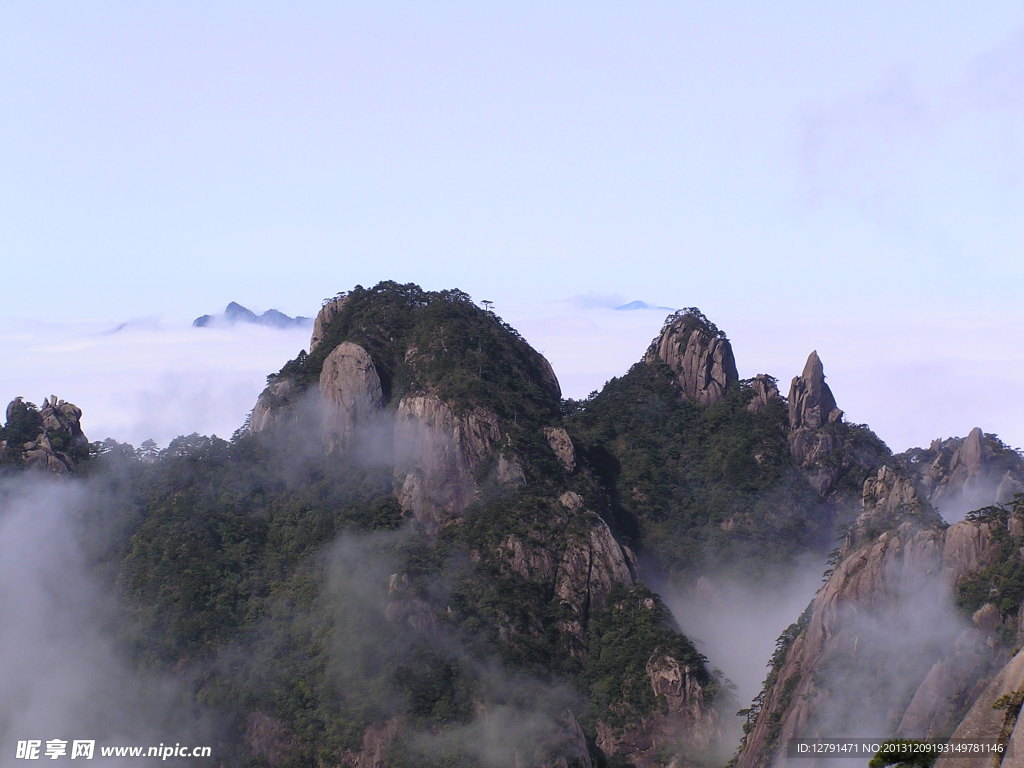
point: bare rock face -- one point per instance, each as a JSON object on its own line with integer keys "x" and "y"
{"x": 815, "y": 688}
{"x": 56, "y": 441}
{"x": 971, "y": 472}
{"x": 811, "y": 409}
{"x": 405, "y": 606}
{"x": 888, "y": 608}
{"x": 548, "y": 377}
{"x": 699, "y": 355}
{"x": 351, "y": 391}
{"x": 888, "y": 500}
{"x": 562, "y": 446}
{"x": 765, "y": 392}
{"x": 580, "y": 570}
{"x": 377, "y": 739}
{"x": 994, "y": 718}
{"x": 811, "y": 403}
{"x": 591, "y": 565}
{"x": 969, "y": 547}
{"x": 572, "y": 745}
{"x": 270, "y": 405}
{"x": 437, "y": 455}
{"x": 1009, "y": 486}
{"x": 275, "y": 403}
{"x": 330, "y": 310}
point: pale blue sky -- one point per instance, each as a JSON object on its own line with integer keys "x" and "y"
{"x": 803, "y": 166}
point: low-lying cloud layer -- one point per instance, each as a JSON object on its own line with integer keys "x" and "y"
{"x": 63, "y": 674}
{"x": 147, "y": 379}
{"x": 932, "y": 377}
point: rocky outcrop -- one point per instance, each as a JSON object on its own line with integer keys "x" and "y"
{"x": 427, "y": 410}
{"x": 699, "y": 355}
{"x": 687, "y": 723}
{"x": 352, "y": 394}
{"x": 888, "y": 500}
{"x": 591, "y": 565}
{"x": 580, "y": 569}
{"x": 404, "y": 605}
{"x": 49, "y": 438}
{"x": 811, "y": 403}
{"x": 376, "y": 742}
{"x": 438, "y": 455}
{"x": 961, "y": 474}
{"x": 330, "y": 310}
{"x": 815, "y": 438}
{"x": 572, "y": 745}
{"x": 273, "y": 405}
{"x": 765, "y": 392}
{"x": 887, "y": 607}
{"x": 561, "y": 446}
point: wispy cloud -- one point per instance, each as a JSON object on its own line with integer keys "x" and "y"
{"x": 911, "y": 378}
{"x": 147, "y": 379}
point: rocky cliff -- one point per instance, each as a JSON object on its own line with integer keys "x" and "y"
{"x": 901, "y": 639}
{"x": 351, "y": 395}
{"x": 699, "y": 355}
{"x": 440, "y": 455}
{"x": 398, "y": 377}
{"x": 830, "y": 453}
{"x": 964, "y": 473}
{"x": 330, "y": 310}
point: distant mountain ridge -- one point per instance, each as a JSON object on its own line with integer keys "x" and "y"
{"x": 633, "y": 305}
{"x": 236, "y": 313}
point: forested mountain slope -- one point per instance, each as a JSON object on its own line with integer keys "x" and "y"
{"x": 416, "y": 553}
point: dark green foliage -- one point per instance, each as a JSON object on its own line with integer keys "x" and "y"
{"x": 858, "y": 455}
{"x": 437, "y": 690}
{"x": 623, "y": 638}
{"x": 23, "y": 425}
{"x": 437, "y": 341}
{"x": 293, "y": 585}
{"x": 700, "y": 482}
{"x": 229, "y": 562}
{"x": 500, "y": 613}
{"x": 1001, "y": 583}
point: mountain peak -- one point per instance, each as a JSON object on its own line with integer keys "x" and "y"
{"x": 236, "y": 313}
{"x": 698, "y": 353}
{"x": 811, "y": 403}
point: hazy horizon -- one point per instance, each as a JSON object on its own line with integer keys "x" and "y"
{"x": 158, "y": 377}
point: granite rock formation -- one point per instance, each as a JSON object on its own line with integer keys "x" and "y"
{"x": 888, "y": 607}
{"x": 48, "y": 438}
{"x": 699, "y": 355}
{"x": 959, "y": 474}
{"x": 327, "y": 313}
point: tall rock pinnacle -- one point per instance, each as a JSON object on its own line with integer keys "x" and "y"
{"x": 812, "y": 408}
{"x": 811, "y": 403}
{"x": 699, "y": 355}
